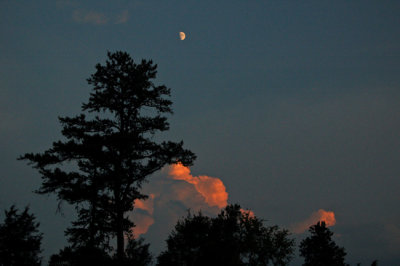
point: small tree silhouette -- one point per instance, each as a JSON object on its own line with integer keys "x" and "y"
{"x": 319, "y": 249}
{"x": 20, "y": 239}
{"x": 374, "y": 263}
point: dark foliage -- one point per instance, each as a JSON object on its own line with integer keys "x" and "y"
{"x": 232, "y": 238}
{"x": 137, "y": 253}
{"x": 80, "y": 256}
{"x": 109, "y": 150}
{"x": 320, "y": 250}
{"x": 20, "y": 239}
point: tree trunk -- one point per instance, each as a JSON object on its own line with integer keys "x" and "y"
{"x": 120, "y": 234}
{"x": 120, "y": 212}
{"x": 91, "y": 224}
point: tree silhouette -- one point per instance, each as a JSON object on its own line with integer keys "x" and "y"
{"x": 319, "y": 249}
{"x": 189, "y": 243}
{"x": 20, "y": 239}
{"x": 234, "y": 237}
{"x": 81, "y": 256}
{"x": 110, "y": 150}
{"x": 137, "y": 253}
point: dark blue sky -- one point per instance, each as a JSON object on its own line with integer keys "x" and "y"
{"x": 294, "y": 105}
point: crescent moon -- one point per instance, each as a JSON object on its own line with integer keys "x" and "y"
{"x": 182, "y": 35}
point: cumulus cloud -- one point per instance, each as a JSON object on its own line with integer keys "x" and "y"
{"x": 143, "y": 215}
{"x": 90, "y": 17}
{"x": 146, "y": 205}
{"x": 321, "y": 215}
{"x": 176, "y": 190}
{"x": 211, "y": 188}
{"x": 143, "y": 221}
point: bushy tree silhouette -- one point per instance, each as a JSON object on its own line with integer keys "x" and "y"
{"x": 319, "y": 249}
{"x": 20, "y": 239}
{"x": 233, "y": 237}
{"x": 137, "y": 253}
{"x": 110, "y": 149}
{"x": 81, "y": 256}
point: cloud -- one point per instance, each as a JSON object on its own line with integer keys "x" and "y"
{"x": 321, "y": 215}
{"x": 211, "y": 188}
{"x": 250, "y": 213}
{"x": 90, "y": 17}
{"x": 143, "y": 221}
{"x": 122, "y": 17}
{"x": 176, "y": 189}
{"x": 143, "y": 215}
{"x": 146, "y": 205}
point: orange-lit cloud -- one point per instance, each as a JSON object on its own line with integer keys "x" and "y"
{"x": 146, "y": 205}
{"x": 321, "y": 215}
{"x": 143, "y": 219}
{"x": 211, "y": 188}
{"x": 249, "y": 212}
{"x": 173, "y": 196}
{"x": 142, "y": 223}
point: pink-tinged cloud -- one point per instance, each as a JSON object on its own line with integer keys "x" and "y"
{"x": 145, "y": 205}
{"x": 170, "y": 198}
{"x": 142, "y": 221}
{"x": 91, "y": 17}
{"x": 211, "y": 188}
{"x": 247, "y": 212}
{"x": 321, "y": 215}
{"x": 122, "y": 17}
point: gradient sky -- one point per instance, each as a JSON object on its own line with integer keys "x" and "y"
{"x": 294, "y": 105}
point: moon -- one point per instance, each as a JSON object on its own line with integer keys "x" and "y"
{"x": 182, "y": 35}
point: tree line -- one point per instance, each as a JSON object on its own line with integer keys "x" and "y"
{"x": 233, "y": 237}
{"x": 106, "y": 154}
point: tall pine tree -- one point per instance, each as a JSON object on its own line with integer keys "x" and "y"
{"x": 110, "y": 149}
